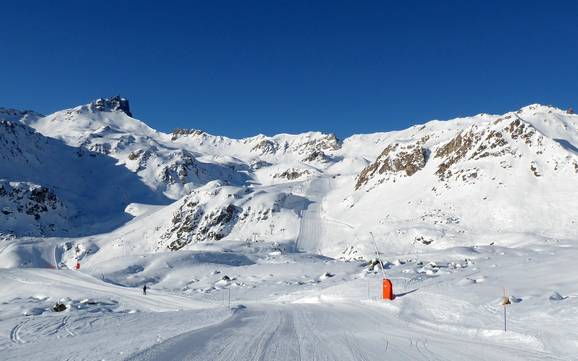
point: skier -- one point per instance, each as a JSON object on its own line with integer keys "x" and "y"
{"x": 144, "y": 290}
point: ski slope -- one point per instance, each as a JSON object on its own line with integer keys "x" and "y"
{"x": 297, "y": 306}
{"x": 311, "y": 223}
{"x": 329, "y": 332}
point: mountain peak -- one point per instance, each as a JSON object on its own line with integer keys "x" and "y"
{"x": 536, "y": 107}
{"x": 115, "y": 103}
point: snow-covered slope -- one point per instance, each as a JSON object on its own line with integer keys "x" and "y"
{"x": 468, "y": 180}
{"x": 284, "y": 227}
{"x": 50, "y": 188}
{"x": 431, "y": 185}
{"x": 177, "y": 162}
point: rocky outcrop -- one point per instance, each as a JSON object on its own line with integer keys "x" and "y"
{"x": 182, "y": 162}
{"x": 396, "y": 159}
{"x": 103, "y": 148}
{"x": 310, "y": 143}
{"x": 292, "y": 174}
{"x": 492, "y": 140}
{"x": 116, "y": 103}
{"x": 317, "y": 156}
{"x": 31, "y": 199}
{"x": 325, "y": 142}
{"x": 182, "y": 132}
{"x": 197, "y": 221}
{"x": 265, "y": 146}
{"x": 36, "y": 205}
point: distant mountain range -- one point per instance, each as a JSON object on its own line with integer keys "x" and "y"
{"x": 481, "y": 179}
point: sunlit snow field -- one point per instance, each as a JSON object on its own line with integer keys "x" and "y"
{"x": 277, "y": 305}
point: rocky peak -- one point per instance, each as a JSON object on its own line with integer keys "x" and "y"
{"x": 116, "y": 103}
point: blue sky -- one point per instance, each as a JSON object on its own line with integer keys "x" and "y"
{"x": 239, "y": 68}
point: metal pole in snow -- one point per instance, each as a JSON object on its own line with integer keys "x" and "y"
{"x": 378, "y": 256}
{"x": 505, "y": 328}
{"x": 229, "y": 297}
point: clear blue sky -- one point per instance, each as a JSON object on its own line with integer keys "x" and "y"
{"x": 239, "y": 68}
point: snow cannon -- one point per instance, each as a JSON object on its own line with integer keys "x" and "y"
{"x": 387, "y": 290}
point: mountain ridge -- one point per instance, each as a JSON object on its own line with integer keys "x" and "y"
{"x": 262, "y": 187}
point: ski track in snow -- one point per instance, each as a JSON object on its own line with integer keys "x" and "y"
{"x": 15, "y": 333}
{"x": 64, "y": 327}
{"x": 326, "y": 332}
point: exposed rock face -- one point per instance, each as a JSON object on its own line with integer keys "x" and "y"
{"x": 454, "y": 151}
{"x": 469, "y": 153}
{"x": 316, "y": 143}
{"x": 115, "y": 103}
{"x": 522, "y": 130}
{"x": 178, "y": 170}
{"x": 405, "y": 159}
{"x": 316, "y": 156}
{"x": 22, "y": 201}
{"x": 181, "y": 132}
{"x": 197, "y": 220}
{"x": 103, "y": 148}
{"x": 196, "y": 225}
{"x": 292, "y": 174}
{"x": 33, "y": 200}
{"x": 265, "y": 146}
{"x": 327, "y": 142}
{"x": 493, "y": 140}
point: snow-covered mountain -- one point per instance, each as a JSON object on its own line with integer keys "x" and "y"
{"x": 482, "y": 179}
{"x": 431, "y": 185}
{"x": 94, "y": 204}
{"x": 50, "y": 188}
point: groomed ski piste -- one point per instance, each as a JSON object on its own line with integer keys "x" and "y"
{"x": 264, "y": 248}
